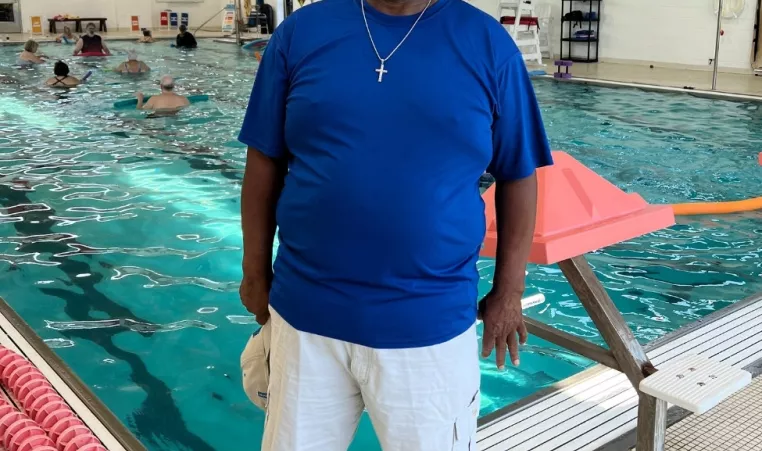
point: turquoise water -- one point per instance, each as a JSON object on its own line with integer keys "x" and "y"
{"x": 120, "y": 240}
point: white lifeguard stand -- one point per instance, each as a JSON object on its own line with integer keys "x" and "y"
{"x": 520, "y": 21}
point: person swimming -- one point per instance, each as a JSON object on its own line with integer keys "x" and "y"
{"x": 67, "y": 37}
{"x": 29, "y": 56}
{"x": 132, "y": 65}
{"x": 185, "y": 39}
{"x": 168, "y": 102}
{"x": 91, "y": 43}
{"x": 62, "y": 79}
{"x": 147, "y": 37}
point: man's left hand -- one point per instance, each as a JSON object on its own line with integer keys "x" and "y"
{"x": 504, "y": 326}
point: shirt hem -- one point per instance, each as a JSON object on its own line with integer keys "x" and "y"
{"x": 433, "y": 341}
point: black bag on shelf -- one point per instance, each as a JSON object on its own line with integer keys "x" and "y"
{"x": 575, "y": 17}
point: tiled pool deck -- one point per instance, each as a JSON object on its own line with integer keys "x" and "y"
{"x": 734, "y": 425}
{"x": 597, "y": 409}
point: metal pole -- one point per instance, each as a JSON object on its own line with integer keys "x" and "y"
{"x": 717, "y": 48}
{"x": 210, "y": 19}
{"x": 238, "y": 22}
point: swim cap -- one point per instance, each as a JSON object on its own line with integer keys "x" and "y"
{"x": 132, "y": 55}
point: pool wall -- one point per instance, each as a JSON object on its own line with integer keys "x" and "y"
{"x": 717, "y": 95}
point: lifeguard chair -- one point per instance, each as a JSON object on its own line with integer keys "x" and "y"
{"x": 520, "y": 21}
{"x": 578, "y": 212}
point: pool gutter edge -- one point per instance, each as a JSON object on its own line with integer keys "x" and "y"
{"x": 717, "y": 95}
{"x": 675, "y": 414}
{"x": 96, "y": 406}
{"x": 596, "y": 369}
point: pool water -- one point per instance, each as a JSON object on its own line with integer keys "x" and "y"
{"x": 120, "y": 240}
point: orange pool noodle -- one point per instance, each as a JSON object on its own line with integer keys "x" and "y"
{"x": 717, "y": 208}
{"x": 579, "y": 211}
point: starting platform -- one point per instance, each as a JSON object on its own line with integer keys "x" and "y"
{"x": 599, "y": 406}
{"x": 579, "y": 211}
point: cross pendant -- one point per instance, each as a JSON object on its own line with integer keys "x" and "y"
{"x": 381, "y": 72}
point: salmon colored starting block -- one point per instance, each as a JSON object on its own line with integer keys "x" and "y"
{"x": 579, "y": 211}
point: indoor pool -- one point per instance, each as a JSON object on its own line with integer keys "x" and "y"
{"x": 120, "y": 240}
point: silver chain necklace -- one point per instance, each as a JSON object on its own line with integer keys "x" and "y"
{"x": 381, "y": 71}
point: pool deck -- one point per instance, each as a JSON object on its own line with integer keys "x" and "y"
{"x": 737, "y": 82}
{"x": 597, "y": 409}
{"x": 735, "y": 425}
{"x": 17, "y": 336}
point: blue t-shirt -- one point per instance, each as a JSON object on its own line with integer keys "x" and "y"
{"x": 380, "y": 220}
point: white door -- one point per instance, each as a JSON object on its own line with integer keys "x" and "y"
{"x": 10, "y": 16}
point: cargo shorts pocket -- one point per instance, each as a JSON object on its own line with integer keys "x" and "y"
{"x": 464, "y": 429}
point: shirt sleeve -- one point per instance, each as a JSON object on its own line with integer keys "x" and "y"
{"x": 518, "y": 135}
{"x": 264, "y": 123}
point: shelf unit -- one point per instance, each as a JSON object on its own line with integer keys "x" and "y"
{"x": 568, "y": 40}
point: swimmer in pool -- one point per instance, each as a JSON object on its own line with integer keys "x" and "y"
{"x": 29, "y": 56}
{"x": 132, "y": 65}
{"x": 185, "y": 39}
{"x": 91, "y": 43}
{"x": 147, "y": 37}
{"x": 166, "y": 102}
{"x": 62, "y": 79}
{"x": 67, "y": 37}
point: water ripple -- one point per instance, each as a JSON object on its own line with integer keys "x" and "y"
{"x": 34, "y": 258}
{"x": 58, "y": 343}
{"x": 242, "y": 319}
{"x": 81, "y": 249}
{"x": 129, "y": 324}
{"x": 161, "y": 280}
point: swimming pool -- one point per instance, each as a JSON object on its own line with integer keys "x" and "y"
{"x": 122, "y": 247}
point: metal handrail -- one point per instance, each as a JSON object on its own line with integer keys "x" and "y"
{"x": 717, "y": 47}
{"x": 209, "y": 20}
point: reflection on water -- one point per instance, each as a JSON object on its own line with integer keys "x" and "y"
{"x": 120, "y": 240}
{"x": 128, "y": 324}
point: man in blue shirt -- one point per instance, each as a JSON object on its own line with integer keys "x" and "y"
{"x": 369, "y": 126}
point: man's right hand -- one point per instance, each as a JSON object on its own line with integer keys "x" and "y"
{"x": 255, "y": 296}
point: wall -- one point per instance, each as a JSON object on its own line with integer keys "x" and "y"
{"x": 673, "y": 32}
{"x": 119, "y": 12}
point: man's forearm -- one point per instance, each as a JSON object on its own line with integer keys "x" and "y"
{"x": 262, "y": 185}
{"x": 516, "y": 208}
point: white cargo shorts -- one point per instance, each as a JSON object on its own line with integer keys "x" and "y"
{"x": 419, "y": 399}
